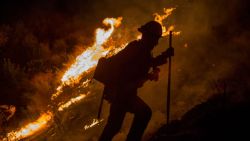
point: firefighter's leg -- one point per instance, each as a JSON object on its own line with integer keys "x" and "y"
{"x": 114, "y": 123}
{"x": 142, "y": 115}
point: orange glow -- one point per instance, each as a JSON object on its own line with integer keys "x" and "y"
{"x": 86, "y": 83}
{"x": 84, "y": 63}
{"x": 89, "y": 58}
{"x": 139, "y": 37}
{"x": 159, "y": 18}
{"x": 185, "y": 45}
{"x": 71, "y": 101}
{"x": 31, "y": 128}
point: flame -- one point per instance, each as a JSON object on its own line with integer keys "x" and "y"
{"x": 89, "y": 58}
{"x": 85, "y": 83}
{"x": 94, "y": 123}
{"x": 139, "y": 36}
{"x": 159, "y": 18}
{"x": 102, "y": 35}
{"x": 85, "y": 61}
{"x": 83, "y": 64}
{"x": 71, "y": 101}
{"x": 31, "y": 128}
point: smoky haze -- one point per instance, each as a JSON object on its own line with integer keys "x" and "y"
{"x": 39, "y": 39}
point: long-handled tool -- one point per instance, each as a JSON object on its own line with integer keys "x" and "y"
{"x": 169, "y": 79}
{"x": 100, "y": 107}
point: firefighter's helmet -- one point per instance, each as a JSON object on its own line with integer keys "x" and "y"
{"x": 152, "y": 28}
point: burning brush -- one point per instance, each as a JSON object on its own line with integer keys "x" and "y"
{"x": 83, "y": 65}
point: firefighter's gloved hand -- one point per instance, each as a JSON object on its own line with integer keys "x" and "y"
{"x": 169, "y": 52}
{"x": 154, "y": 75}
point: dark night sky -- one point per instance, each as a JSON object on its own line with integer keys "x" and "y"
{"x": 12, "y": 10}
{"x": 217, "y": 33}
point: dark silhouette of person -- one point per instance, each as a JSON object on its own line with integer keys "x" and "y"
{"x": 135, "y": 63}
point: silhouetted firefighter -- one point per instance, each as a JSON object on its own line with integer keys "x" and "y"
{"x": 123, "y": 73}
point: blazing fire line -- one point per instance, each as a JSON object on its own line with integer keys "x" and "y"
{"x": 89, "y": 58}
{"x": 84, "y": 63}
{"x": 41, "y": 123}
{"x": 71, "y": 101}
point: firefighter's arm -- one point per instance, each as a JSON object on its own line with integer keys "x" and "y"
{"x": 154, "y": 75}
{"x": 162, "y": 59}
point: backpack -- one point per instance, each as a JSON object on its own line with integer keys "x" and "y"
{"x": 110, "y": 71}
{"x": 107, "y": 72}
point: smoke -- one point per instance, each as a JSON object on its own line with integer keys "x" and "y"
{"x": 38, "y": 40}
{"x": 213, "y": 33}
